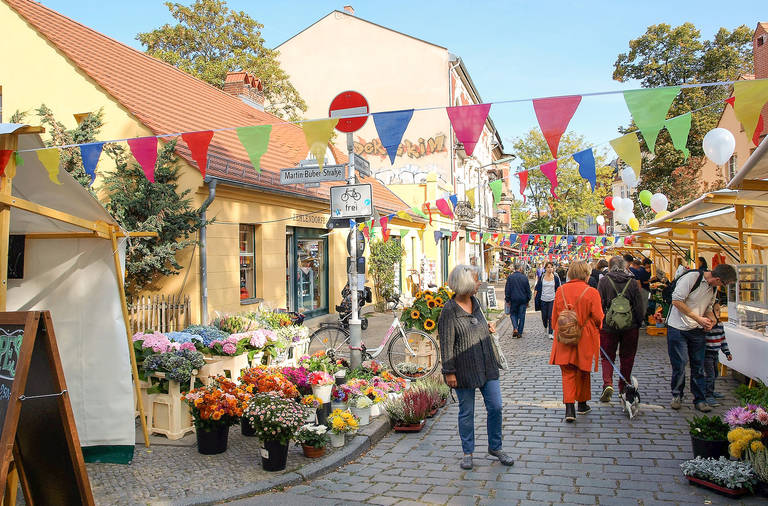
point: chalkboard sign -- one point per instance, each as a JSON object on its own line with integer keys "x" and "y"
{"x": 491, "y": 294}
{"x": 38, "y": 426}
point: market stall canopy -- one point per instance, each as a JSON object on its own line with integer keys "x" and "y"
{"x": 755, "y": 168}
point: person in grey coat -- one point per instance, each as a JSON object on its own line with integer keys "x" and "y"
{"x": 469, "y": 362}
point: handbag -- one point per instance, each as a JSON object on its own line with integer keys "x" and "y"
{"x": 498, "y": 355}
{"x": 569, "y": 328}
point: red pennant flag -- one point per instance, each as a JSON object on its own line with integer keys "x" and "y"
{"x": 473, "y": 236}
{"x": 144, "y": 150}
{"x": 554, "y": 114}
{"x": 549, "y": 169}
{"x": 495, "y": 237}
{"x": 385, "y": 234}
{"x": 536, "y": 239}
{"x": 579, "y": 239}
{"x": 523, "y": 182}
{"x": 5, "y": 155}
{"x": 383, "y": 221}
{"x": 367, "y": 233}
{"x": 467, "y": 122}
{"x": 429, "y": 211}
{"x": 758, "y": 128}
{"x": 443, "y": 207}
{"x": 454, "y": 235}
{"x": 198, "y": 145}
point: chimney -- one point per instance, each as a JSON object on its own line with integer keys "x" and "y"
{"x": 246, "y": 87}
{"x": 349, "y": 9}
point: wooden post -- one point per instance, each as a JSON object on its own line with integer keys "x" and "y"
{"x": 126, "y": 320}
{"x": 749, "y": 215}
{"x": 740, "y": 219}
{"x": 695, "y": 244}
{"x": 671, "y": 262}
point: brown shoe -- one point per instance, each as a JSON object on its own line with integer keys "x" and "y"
{"x": 514, "y": 333}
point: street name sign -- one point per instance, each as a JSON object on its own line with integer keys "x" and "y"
{"x": 310, "y": 174}
{"x": 351, "y": 201}
{"x": 362, "y": 165}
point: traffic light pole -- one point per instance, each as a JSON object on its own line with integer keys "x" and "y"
{"x": 355, "y": 330}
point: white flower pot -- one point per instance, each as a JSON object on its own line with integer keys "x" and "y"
{"x": 375, "y": 410}
{"x": 337, "y": 440}
{"x": 311, "y": 415}
{"x": 338, "y": 405}
{"x": 363, "y": 413}
{"x": 323, "y": 392}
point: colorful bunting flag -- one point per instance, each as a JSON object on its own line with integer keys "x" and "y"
{"x": 391, "y": 126}
{"x": 586, "y": 161}
{"x": 255, "y": 140}
{"x": 454, "y": 234}
{"x": 438, "y": 236}
{"x": 648, "y": 108}
{"x": 20, "y": 160}
{"x": 473, "y": 235}
{"x": 467, "y": 122}
{"x": 760, "y": 126}
{"x": 444, "y": 208}
{"x": 454, "y": 200}
{"x": 429, "y": 211}
{"x": 495, "y": 186}
{"x": 471, "y": 197}
{"x": 554, "y": 114}
{"x": 679, "y": 127}
{"x": 750, "y": 98}
{"x": 198, "y": 145}
{"x": 144, "y": 150}
{"x": 5, "y": 156}
{"x": 486, "y": 236}
{"x": 523, "y": 182}
{"x": 524, "y": 239}
{"x": 549, "y": 169}
{"x": 366, "y": 231}
{"x": 512, "y": 238}
{"x": 383, "y": 221}
{"x": 318, "y": 134}
{"x": 628, "y": 149}
{"x": 404, "y": 216}
{"x": 421, "y": 234}
{"x": 90, "y": 154}
{"x": 50, "y": 160}
{"x": 418, "y": 211}
{"x": 404, "y": 232}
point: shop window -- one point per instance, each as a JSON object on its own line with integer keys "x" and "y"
{"x": 247, "y": 242}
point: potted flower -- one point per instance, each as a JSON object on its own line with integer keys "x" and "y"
{"x": 377, "y": 397}
{"x": 709, "y": 436}
{"x": 339, "y": 397}
{"x": 340, "y": 423}
{"x": 275, "y": 420}
{"x": 311, "y": 403}
{"x": 214, "y": 409}
{"x": 361, "y": 408}
{"x": 750, "y": 416}
{"x": 730, "y": 477}
{"x": 746, "y": 444}
{"x": 408, "y": 412}
{"x": 313, "y": 440}
{"x": 321, "y": 383}
{"x": 425, "y": 310}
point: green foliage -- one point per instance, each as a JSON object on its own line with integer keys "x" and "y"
{"x": 670, "y": 56}
{"x": 710, "y": 428}
{"x": 382, "y": 260}
{"x": 575, "y": 197}
{"x": 210, "y": 40}
{"x": 139, "y": 205}
{"x": 757, "y": 395}
{"x": 729, "y": 474}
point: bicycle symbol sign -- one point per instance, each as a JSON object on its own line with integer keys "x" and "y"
{"x": 351, "y": 201}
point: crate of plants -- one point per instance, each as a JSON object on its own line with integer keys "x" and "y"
{"x": 409, "y": 412}
{"x": 728, "y": 477}
{"x": 709, "y": 436}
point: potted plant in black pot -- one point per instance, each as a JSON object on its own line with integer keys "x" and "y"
{"x": 275, "y": 420}
{"x": 709, "y": 436}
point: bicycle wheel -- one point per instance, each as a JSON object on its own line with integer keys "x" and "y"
{"x": 330, "y": 337}
{"x": 414, "y": 357}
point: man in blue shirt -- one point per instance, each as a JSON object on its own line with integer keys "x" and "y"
{"x": 517, "y": 293}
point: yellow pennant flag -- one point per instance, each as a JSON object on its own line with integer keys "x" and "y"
{"x": 318, "y": 135}
{"x": 750, "y": 98}
{"x": 404, "y": 215}
{"x": 421, "y": 234}
{"x": 471, "y": 197}
{"x": 628, "y": 149}
{"x": 361, "y": 226}
{"x": 50, "y": 160}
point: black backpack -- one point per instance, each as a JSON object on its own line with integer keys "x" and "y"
{"x": 666, "y": 294}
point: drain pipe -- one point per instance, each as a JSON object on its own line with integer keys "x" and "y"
{"x": 204, "y": 254}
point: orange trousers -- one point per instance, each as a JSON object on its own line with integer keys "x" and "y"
{"x": 576, "y": 385}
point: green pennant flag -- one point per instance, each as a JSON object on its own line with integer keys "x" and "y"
{"x": 486, "y": 237}
{"x": 404, "y": 232}
{"x": 255, "y": 140}
{"x": 679, "y": 128}
{"x": 648, "y": 108}
{"x": 418, "y": 211}
{"x": 496, "y": 189}
{"x": 18, "y": 159}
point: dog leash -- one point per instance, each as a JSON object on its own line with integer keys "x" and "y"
{"x": 614, "y": 367}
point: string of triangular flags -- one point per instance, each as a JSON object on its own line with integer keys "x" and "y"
{"x": 648, "y": 108}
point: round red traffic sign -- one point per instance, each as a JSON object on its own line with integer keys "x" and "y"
{"x": 347, "y": 103}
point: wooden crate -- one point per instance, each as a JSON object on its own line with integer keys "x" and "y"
{"x": 168, "y": 414}
{"x": 223, "y": 366}
{"x": 656, "y": 331}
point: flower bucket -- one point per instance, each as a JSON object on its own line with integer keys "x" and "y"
{"x": 340, "y": 377}
{"x": 375, "y": 410}
{"x": 364, "y": 414}
{"x": 338, "y": 405}
{"x": 311, "y": 415}
{"x": 245, "y": 428}
{"x": 211, "y": 442}
{"x": 323, "y": 392}
{"x": 322, "y": 414}
{"x": 312, "y": 452}
{"x": 337, "y": 440}
{"x": 274, "y": 456}
{"x": 709, "y": 449}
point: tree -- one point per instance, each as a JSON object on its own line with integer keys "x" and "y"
{"x": 667, "y": 56}
{"x": 383, "y": 258}
{"x": 576, "y": 200}
{"x": 210, "y": 40}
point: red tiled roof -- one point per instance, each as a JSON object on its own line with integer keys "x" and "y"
{"x": 167, "y": 100}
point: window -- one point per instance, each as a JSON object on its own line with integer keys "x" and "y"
{"x": 247, "y": 257}
{"x": 16, "y": 256}
{"x": 732, "y": 166}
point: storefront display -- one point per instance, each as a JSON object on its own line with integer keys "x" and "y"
{"x": 747, "y": 327}
{"x": 307, "y": 271}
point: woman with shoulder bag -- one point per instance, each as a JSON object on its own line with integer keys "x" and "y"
{"x": 469, "y": 362}
{"x": 544, "y": 298}
{"x": 576, "y": 318}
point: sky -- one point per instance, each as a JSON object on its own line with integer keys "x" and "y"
{"x": 513, "y": 49}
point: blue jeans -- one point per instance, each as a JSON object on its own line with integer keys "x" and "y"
{"x": 517, "y": 315}
{"x": 711, "y": 359}
{"x": 492, "y": 398}
{"x": 546, "y": 314}
{"x": 685, "y": 345}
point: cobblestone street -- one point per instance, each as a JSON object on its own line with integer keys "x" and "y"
{"x": 603, "y": 458}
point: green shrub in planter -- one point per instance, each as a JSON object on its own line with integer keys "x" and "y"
{"x": 757, "y": 395}
{"x": 709, "y": 428}
{"x": 726, "y": 473}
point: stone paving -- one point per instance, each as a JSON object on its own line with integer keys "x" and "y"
{"x": 603, "y": 458}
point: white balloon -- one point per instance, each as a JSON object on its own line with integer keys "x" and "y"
{"x": 718, "y": 145}
{"x": 659, "y": 202}
{"x": 626, "y": 206}
{"x": 629, "y": 177}
{"x": 600, "y": 220}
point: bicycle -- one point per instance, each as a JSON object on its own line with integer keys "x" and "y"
{"x": 412, "y": 354}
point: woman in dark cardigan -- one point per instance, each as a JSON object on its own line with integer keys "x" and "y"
{"x": 469, "y": 363}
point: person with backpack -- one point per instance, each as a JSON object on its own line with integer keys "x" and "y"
{"x": 576, "y": 318}
{"x": 691, "y": 316}
{"x": 623, "y": 308}
{"x": 544, "y": 298}
{"x": 601, "y": 268}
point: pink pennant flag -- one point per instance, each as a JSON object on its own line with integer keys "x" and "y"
{"x": 367, "y": 232}
{"x": 467, "y": 122}
{"x": 383, "y": 221}
{"x": 198, "y": 145}
{"x": 144, "y": 150}
{"x": 554, "y": 114}
{"x": 524, "y": 239}
{"x": 473, "y": 235}
{"x": 523, "y": 182}
{"x": 549, "y": 169}
{"x": 454, "y": 235}
{"x": 429, "y": 211}
{"x": 444, "y": 207}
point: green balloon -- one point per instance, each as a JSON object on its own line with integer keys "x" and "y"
{"x": 645, "y": 197}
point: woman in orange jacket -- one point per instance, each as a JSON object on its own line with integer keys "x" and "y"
{"x": 576, "y": 361}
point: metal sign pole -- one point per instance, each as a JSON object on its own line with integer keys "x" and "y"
{"x": 355, "y": 332}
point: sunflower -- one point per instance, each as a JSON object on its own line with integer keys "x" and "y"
{"x": 418, "y": 294}
{"x": 429, "y": 324}
{"x": 431, "y": 303}
{"x": 428, "y": 297}
{"x": 439, "y": 300}
{"x": 415, "y": 314}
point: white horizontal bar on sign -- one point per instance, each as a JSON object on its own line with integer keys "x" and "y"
{"x": 349, "y": 112}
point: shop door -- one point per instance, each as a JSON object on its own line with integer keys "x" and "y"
{"x": 310, "y": 287}
{"x": 290, "y": 270}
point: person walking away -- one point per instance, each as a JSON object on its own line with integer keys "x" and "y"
{"x": 690, "y": 317}
{"x": 715, "y": 343}
{"x": 598, "y": 272}
{"x": 517, "y": 293}
{"x": 544, "y": 295}
{"x": 701, "y": 264}
{"x": 575, "y": 360}
{"x": 621, "y": 302}
{"x": 469, "y": 362}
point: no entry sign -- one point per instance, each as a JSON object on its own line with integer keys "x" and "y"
{"x": 348, "y": 103}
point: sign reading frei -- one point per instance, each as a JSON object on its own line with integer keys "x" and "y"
{"x": 351, "y": 201}
{"x": 312, "y": 174}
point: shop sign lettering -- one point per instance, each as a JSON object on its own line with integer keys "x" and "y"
{"x": 10, "y": 346}
{"x": 422, "y": 147}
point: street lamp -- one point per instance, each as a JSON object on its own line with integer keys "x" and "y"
{"x": 482, "y": 207}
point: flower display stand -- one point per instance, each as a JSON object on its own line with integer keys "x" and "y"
{"x": 143, "y": 386}
{"x": 298, "y": 350}
{"x": 168, "y": 414}
{"x": 223, "y": 366}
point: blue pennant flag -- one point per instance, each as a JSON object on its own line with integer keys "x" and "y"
{"x": 454, "y": 200}
{"x": 391, "y": 126}
{"x": 438, "y": 236}
{"x": 351, "y": 224}
{"x": 570, "y": 239}
{"x": 586, "y": 161}
{"x": 90, "y": 154}
{"x": 512, "y": 238}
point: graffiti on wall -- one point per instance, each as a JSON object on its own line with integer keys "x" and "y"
{"x": 406, "y": 174}
{"x": 422, "y": 147}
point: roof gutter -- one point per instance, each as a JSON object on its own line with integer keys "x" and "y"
{"x": 204, "y": 254}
